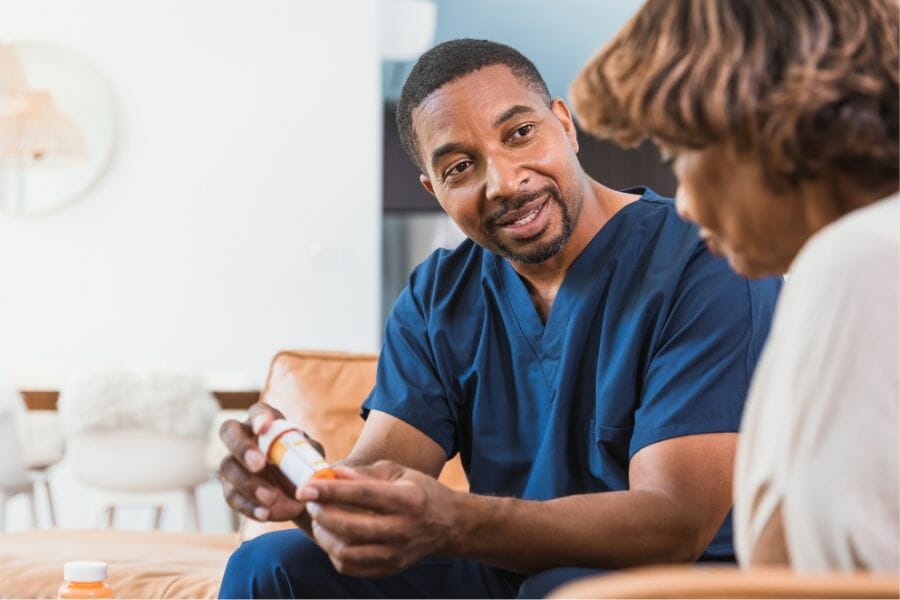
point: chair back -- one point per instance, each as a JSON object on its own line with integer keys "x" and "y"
{"x": 138, "y": 460}
{"x": 323, "y": 392}
{"x": 13, "y": 476}
{"x": 137, "y": 431}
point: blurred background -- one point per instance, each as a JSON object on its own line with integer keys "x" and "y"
{"x": 194, "y": 186}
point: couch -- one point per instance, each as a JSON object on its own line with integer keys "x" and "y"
{"x": 323, "y": 391}
{"x": 320, "y": 390}
{"x": 729, "y": 582}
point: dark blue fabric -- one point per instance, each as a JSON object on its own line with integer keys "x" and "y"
{"x": 287, "y": 564}
{"x": 541, "y": 584}
{"x": 650, "y": 337}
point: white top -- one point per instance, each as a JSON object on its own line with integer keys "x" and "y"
{"x": 820, "y": 429}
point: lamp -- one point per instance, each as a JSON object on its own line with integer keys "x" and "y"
{"x": 12, "y": 82}
{"x": 37, "y": 132}
{"x": 32, "y": 130}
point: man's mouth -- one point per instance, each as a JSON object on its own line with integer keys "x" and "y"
{"x": 524, "y": 215}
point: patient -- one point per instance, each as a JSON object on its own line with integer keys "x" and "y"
{"x": 782, "y": 122}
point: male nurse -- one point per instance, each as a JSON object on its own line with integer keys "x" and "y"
{"x": 582, "y": 351}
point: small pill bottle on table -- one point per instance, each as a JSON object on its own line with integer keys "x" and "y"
{"x": 84, "y": 579}
{"x": 285, "y": 446}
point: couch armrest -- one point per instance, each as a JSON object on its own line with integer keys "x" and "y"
{"x": 729, "y": 582}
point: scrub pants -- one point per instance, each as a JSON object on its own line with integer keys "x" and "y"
{"x": 287, "y": 564}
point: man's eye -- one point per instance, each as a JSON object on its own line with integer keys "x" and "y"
{"x": 523, "y": 131}
{"x": 458, "y": 168}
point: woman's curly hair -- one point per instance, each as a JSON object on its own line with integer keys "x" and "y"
{"x": 806, "y": 87}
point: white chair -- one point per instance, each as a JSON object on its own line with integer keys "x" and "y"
{"x": 42, "y": 447}
{"x": 29, "y": 441}
{"x": 138, "y": 439}
{"x": 14, "y": 478}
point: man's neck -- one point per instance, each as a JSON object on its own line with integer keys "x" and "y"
{"x": 543, "y": 280}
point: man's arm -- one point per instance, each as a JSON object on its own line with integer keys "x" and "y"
{"x": 680, "y": 492}
{"x": 385, "y": 437}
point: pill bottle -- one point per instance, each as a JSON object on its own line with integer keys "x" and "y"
{"x": 85, "y": 579}
{"x": 285, "y": 446}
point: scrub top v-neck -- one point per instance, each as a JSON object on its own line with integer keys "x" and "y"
{"x": 650, "y": 337}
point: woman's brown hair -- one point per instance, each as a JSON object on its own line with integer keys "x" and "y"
{"x": 805, "y": 87}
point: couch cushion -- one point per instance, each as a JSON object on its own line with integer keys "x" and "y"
{"x": 141, "y": 564}
{"x": 323, "y": 392}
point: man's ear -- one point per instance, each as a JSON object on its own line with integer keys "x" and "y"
{"x": 561, "y": 110}
{"x": 426, "y": 183}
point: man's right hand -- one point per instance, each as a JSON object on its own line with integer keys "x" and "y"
{"x": 251, "y": 486}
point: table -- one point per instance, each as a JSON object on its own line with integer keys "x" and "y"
{"x": 230, "y": 400}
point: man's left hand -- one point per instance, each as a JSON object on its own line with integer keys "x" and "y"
{"x": 379, "y": 520}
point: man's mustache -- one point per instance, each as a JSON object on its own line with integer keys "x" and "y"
{"x": 517, "y": 202}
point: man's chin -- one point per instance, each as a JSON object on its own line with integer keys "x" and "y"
{"x": 535, "y": 253}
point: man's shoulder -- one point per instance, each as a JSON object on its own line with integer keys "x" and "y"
{"x": 655, "y": 212}
{"x": 653, "y": 235}
{"x": 448, "y": 270}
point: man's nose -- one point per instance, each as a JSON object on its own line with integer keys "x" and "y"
{"x": 505, "y": 178}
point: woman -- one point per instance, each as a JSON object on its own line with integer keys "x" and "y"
{"x": 781, "y": 119}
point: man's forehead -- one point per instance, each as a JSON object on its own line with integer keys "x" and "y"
{"x": 482, "y": 95}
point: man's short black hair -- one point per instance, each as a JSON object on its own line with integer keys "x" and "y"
{"x": 449, "y": 61}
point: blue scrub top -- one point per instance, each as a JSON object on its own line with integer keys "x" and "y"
{"x": 650, "y": 337}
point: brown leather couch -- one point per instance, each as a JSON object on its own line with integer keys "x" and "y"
{"x": 323, "y": 391}
{"x": 729, "y": 582}
{"x": 320, "y": 390}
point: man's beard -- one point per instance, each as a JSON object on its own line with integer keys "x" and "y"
{"x": 544, "y": 251}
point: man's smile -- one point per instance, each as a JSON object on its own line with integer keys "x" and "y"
{"x": 529, "y": 224}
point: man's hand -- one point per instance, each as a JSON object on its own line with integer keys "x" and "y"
{"x": 251, "y": 486}
{"x": 378, "y": 520}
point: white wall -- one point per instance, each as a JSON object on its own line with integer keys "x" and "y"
{"x": 249, "y": 137}
{"x": 240, "y": 213}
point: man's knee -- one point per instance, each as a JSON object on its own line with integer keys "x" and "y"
{"x": 281, "y": 564}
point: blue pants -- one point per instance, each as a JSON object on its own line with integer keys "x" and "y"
{"x": 287, "y": 564}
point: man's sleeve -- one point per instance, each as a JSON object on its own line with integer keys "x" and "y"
{"x": 407, "y": 385}
{"x": 700, "y": 370}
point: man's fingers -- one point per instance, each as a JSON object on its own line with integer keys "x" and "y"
{"x": 375, "y": 556}
{"x": 366, "y": 561}
{"x": 354, "y": 527}
{"x": 249, "y": 485}
{"x": 362, "y": 560}
{"x": 242, "y": 504}
{"x": 237, "y": 437}
{"x": 379, "y": 496}
{"x": 260, "y": 417}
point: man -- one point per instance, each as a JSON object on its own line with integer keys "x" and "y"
{"x": 583, "y": 351}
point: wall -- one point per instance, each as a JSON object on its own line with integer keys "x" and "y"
{"x": 558, "y": 36}
{"x": 241, "y": 211}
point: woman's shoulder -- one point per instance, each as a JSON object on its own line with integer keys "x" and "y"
{"x": 853, "y": 244}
